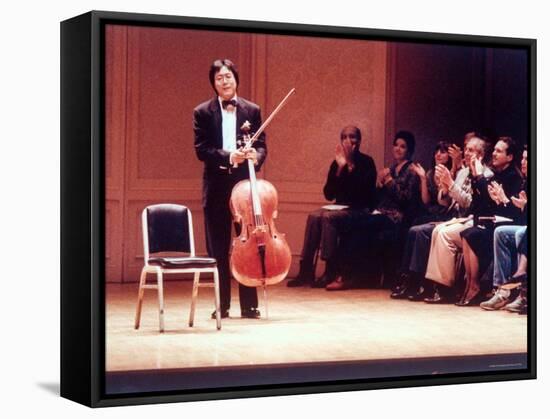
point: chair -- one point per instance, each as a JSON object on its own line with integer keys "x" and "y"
{"x": 169, "y": 228}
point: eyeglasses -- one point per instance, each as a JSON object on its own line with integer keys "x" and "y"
{"x": 226, "y": 76}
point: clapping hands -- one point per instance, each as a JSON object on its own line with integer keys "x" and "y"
{"x": 444, "y": 176}
{"x": 383, "y": 177}
{"x": 520, "y": 201}
{"x": 455, "y": 153}
{"x": 476, "y": 167}
{"x": 418, "y": 169}
{"x": 496, "y": 192}
{"x": 342, "y": 156}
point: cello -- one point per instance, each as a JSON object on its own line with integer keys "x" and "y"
{"x": 260, "y": 255}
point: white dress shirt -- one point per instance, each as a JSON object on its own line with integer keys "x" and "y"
{"x": 229, "y": 126}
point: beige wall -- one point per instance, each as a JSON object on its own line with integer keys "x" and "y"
{"x": 154, "y": 79}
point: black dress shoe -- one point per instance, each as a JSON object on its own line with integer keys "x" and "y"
{"x": 224, "y": 314}
{"x": 474, "y": 301}
{"x": 322, "y": 282}
{"x": 420, "y": 295}
{"x": 400, "y": 293}
{"x": 251, "y": 313}
{"x": 437, "y": 299}
{"x": 330, "y": 274}
{"x": 404, "y": 287}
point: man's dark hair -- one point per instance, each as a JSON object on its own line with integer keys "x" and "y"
{"x": 512, "y": 148}
{"x": 408, "y": 137}
{"x": 217, "y": 66}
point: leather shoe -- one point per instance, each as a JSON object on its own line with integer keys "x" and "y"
{"x": 400, "y": 293}
{"x": 322, "y": 282}
{"x": 224, "y": 314}
{"x": 251, "y": 313}
{"x": 420, "y": 295}
{"x": 329, "y": 276}
{"x": 474, "y": 301}
{"x": 437, "y": 299}
{"x": 402, "y": 289}
{"x": 337, "y": 285}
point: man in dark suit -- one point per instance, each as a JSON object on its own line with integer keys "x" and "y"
{"x": 217, "y": 125}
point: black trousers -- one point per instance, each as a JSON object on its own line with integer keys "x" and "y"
{"x": 370, "y": 241}
{"x": 320, "y": 232}
{"x": 480, "y": 239}
{"x": 218, "y": 225}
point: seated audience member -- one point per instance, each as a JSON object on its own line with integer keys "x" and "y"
{"x": 455, "y": 153}
{"x": 417, "y": 246}
{"x": 446, "y": 242}
{"x": 429, "y": 184}
{"x": 399, "y": 201}
{"x": 351, "y": 182}
{"x": 510, "y": 243}
{"x": 477, "y": 240}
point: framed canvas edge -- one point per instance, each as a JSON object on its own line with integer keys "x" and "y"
{"x": 77, "y": 310}
{"x": 88, "y": 355}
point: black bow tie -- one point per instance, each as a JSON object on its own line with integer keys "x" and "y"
{"x": 226, "y": 103}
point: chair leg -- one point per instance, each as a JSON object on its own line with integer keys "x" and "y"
{"x": 194, "y": 295}
{"x": 217, "y": 299}
{"x": 160, "y": 290}
{"x": 140, "y": 298}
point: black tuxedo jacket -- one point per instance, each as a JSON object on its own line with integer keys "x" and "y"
{"x": 207, "y": 124}
{"x": 219, "y": 176}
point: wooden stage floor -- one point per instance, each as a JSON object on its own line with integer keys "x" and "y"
{"x": 304, "y": 325}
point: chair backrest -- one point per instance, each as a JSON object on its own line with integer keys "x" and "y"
{"x": 167, "y": 228}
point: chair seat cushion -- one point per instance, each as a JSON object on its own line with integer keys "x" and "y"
{"x": 183, "y": 262}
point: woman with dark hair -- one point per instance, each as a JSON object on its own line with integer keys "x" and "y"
{"x": 429, "y": 185}
{"x": 398, "y": 184}
{"x": 399, "y": 202}
{"x": 417, "y": 246}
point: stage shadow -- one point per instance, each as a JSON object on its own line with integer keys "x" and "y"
{"x": 50, "y": 388}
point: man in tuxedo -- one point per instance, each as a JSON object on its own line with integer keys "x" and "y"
{"x": 217, "y": 126}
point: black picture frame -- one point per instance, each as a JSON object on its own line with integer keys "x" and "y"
{"x": 83, "y": 221}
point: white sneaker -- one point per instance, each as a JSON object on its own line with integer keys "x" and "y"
{"x": 517, "y": 305}
{"x": 497, "y": 301}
